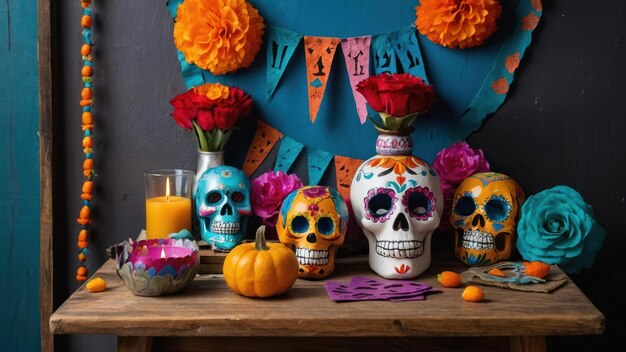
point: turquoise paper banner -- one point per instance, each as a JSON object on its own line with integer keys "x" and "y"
{"x": 287, "y": 153}
{"x": 281, "y": 44}
{"x": 318, "y": 161}
{"x": 407, "y": 49}
{"x": 465, "y": 97}
{"x": 383, "y": 55}
{"x": 496, "y": 86}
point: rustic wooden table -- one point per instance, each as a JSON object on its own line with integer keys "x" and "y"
{"x": 207, "y": 315}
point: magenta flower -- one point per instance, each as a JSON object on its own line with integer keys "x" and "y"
{"x": 268, "y": 192}
{"x": 458, "y": 162}
{"x": 454, "y": 164}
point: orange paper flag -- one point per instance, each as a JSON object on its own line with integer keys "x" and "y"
{"x": 345, "y": 169}
{"x": 319, "y": 53}
{"x": 264, "y": 140}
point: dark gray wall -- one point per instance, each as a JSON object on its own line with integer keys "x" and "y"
{"x": 563, "y": 123}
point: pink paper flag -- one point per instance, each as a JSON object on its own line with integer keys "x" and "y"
{"x": 356, "y": 52}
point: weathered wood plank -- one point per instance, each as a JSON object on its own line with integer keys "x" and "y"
{"x": 208, "y": 308}
{"x": 46, "y": 62}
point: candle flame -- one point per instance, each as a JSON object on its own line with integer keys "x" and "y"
{"x": 162, "y": 252}
{"x": 167, "y": 189}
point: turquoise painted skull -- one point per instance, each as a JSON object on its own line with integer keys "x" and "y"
{"x": 223, "y": 206}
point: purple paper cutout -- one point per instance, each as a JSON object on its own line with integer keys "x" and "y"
{"x": 356, "y": 52}
{"x": 369, "y": 289}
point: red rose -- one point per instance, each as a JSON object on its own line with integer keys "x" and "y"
{"x": 398, "y": 94}
{"x": 206, "y": 121}
{"x": 239, "y": 99}
{"x": 184, "y": 110}
{"x": 225, "y": 117}
{"x": 211, "y": 106}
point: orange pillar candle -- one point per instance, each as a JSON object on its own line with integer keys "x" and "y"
{"x": 167, "y": 213}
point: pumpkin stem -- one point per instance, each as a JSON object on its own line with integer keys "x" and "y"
{"x": 259, "y": 243}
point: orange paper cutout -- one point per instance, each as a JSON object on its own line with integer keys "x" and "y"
{"x": 345, "y": 169}
{"x": 530, "y": 22}
{"x": 512, "y": 62}
{"x": 264, "y": 140}
{"x": 319, "y": 53}
{"x": 500, "y": 86}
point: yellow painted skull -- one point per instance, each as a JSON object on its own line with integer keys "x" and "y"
{"x": 485, "y": 212}
{"x": 313, "y": 221}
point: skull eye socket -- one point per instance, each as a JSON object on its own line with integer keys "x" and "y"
{"x": 299, "y": 224}
{"x": 237, "y": 197}
{"x": 213, "y": 197}
{"x": 465, "y": 206}
{"x": 380, "y": 204}
{"x": 419, "y": 204}
{"x": 497, "y": 209}
{"x": 325, "y": 226}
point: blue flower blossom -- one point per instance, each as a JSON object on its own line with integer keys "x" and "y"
{"x": 558, "y": 227}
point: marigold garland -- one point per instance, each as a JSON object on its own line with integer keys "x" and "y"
{"x": 86, "y": 94}
{"x": 457, "y": 23}
{"x": 221, "y": 36}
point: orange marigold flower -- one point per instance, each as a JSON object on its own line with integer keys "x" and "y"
{"x": 221, "y": 36}
{"x": 213, "y": 91}
{"x": 458, "y": 23}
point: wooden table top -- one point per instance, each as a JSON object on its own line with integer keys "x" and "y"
{"x": 208, "y": 308}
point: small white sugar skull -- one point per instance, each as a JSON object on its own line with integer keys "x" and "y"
{"x": 397, "y": 201}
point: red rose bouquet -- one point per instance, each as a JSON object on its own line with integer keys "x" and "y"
{"x": 211, "y": 111}
{"x": 398, "y": 99}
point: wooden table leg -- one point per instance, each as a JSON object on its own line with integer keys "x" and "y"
{"x": 134, "y": 343}
{"x": 527, "y": 344}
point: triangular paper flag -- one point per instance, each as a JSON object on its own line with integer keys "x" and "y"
{"x": 262, "y": 143}
{"x": 281, "y": 44}
{"x": 345, "y": 168}
{"x": 383, "y": 54}
{"x": 356, "y": 52}
{"x": 408, "y": 52}
{"x": 318, "y": 162}
{"x": 287, "y": 153}
{"x": 319, "y": 53}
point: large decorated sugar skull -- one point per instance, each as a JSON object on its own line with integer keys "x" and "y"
{"x": 223, "y": 206}
{"x": 397, "y": 201}
{"x": 313, "y": 221}
{"x": 485, "y": 211}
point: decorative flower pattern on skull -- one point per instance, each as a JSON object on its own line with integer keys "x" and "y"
{"x": 419, "y": 202}
{"x": 380, "y": 204}
{"x": 315, "y": 192}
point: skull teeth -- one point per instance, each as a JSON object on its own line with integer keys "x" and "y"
{"x": 476, "y": 239}
{"x": 311, "y": 256}
{"x": 400, "y": 249}
{"x": 222, "y": 227}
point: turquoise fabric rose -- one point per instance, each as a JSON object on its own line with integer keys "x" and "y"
{"x": 558, "y": 227}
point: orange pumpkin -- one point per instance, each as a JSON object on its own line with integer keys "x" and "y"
{"x": 260, "y": 269}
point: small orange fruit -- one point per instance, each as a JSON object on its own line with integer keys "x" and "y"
{"x": 538, "y": 269}
{"x": 473, "y": 294}
{"x": 449, "y": 279}
{"x": 96, "y": 285}
{"x": 496, "y": 272}
{"x": 525, "y": 263}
